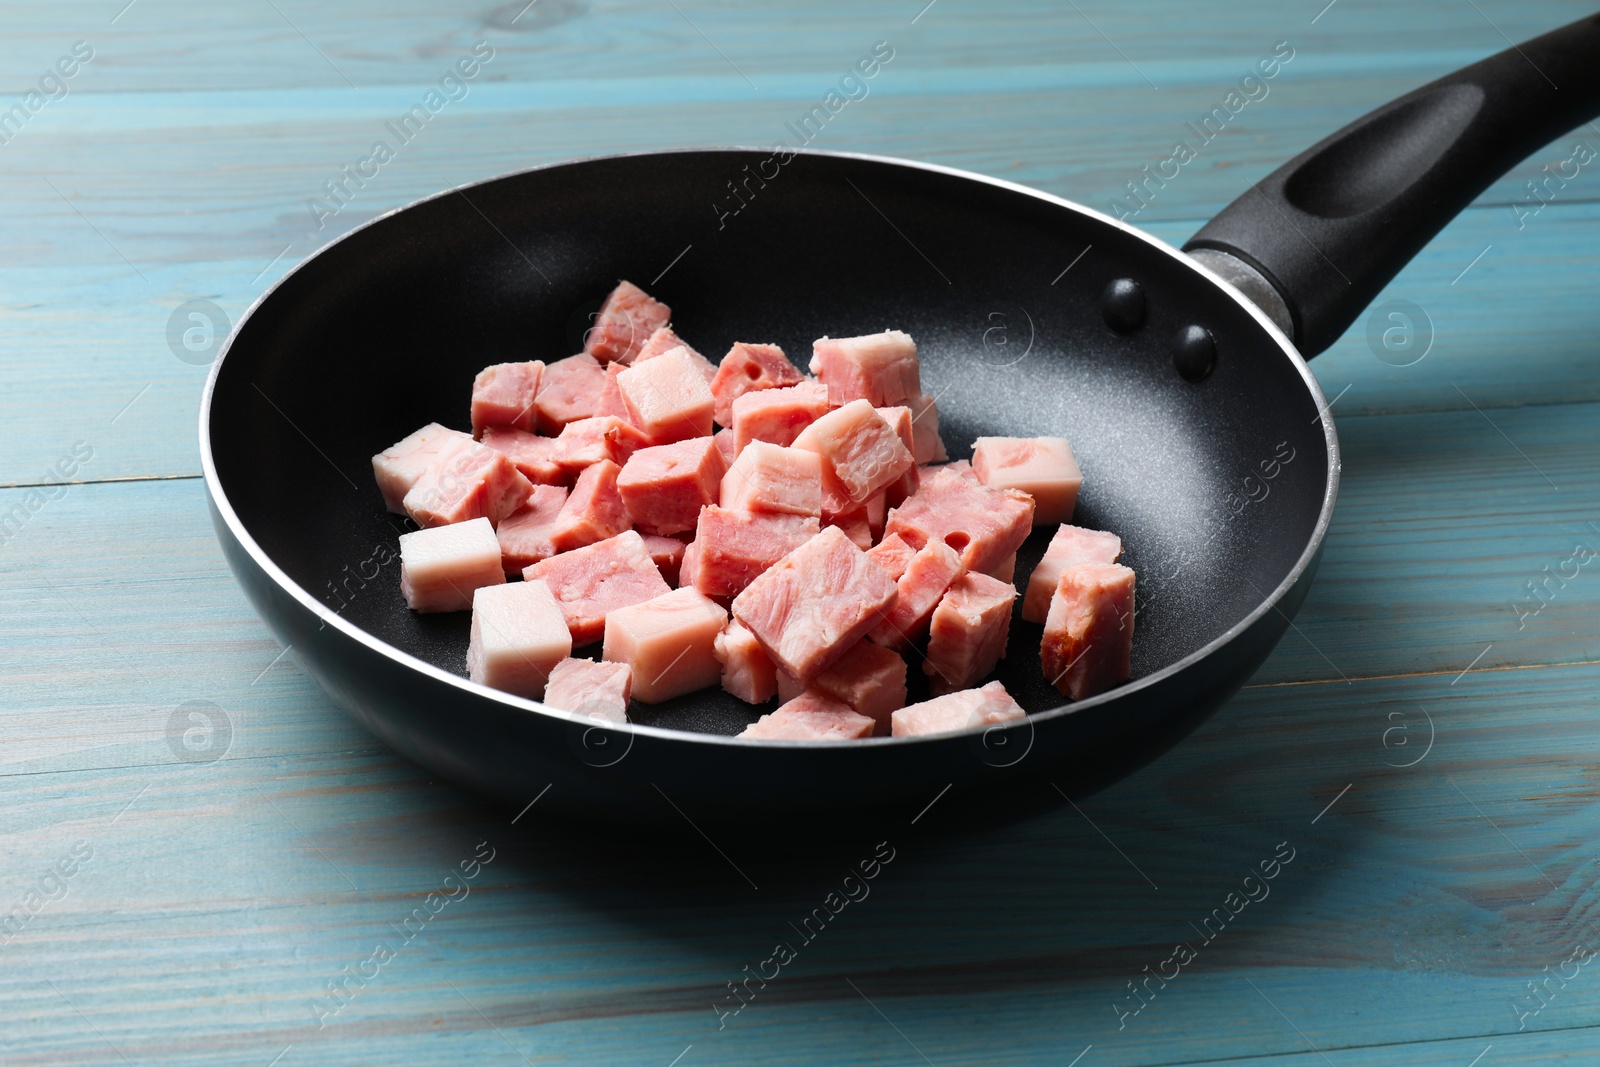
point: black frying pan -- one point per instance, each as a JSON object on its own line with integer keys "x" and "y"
{"x": 1202, "y": 434}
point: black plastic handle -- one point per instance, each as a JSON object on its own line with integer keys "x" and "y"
{"x": 1331, "y": 227}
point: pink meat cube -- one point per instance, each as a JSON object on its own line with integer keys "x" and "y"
{"x": 732, "y": 548}
{"x": 1071, "y": 544}
{"x": 524, "y": 534}
{"x": 810, "y": 717}
{"x": 518, "y": 636}
{"x": 593, "y": 512}
{"x": 627, "y": 317}
{"x": 570, "y": 390}
{"x": 688, "y": 566}
{"x": 985, "y": 525}
{"x": 777, "y": 415}
{"x": 747, "y": 368}
{"x": 931, "y": 571}
{"x": 959, "y": 466}
{"x": 591, "y": 581}
{"x": 534, "y": 456}
{"x": 893, "y": 555}
{"x": 929, "y": 447}
{"x": 957, "y": 711}
{"x": 586, "y": 442}
{"x": 860, "y": 450}
{"x": 610, "y": 400}
{"x": 868, "y": 518}
{"x": 584, "y": 687}
{"x": 1005, "y": 570}
{"x": 881, "y": 368}
{"x": 665, "y": 486}
{"x": 1042, "y": 467}
{"x": 855, "y": 527}
{"x": 773, "y": 479}
{"x": 667, "y": 398}
{"x": 664, "y": 340}
{"x": 667, "y": 554}
{"x": 899, "y": 420}
{"x": 967, "y": 635}
{"x": 398, "y": 467}
{"x": 467, "y": 481}
{"x": 440, "y": 568}
{"x": 725, "y": 440}
{"x": 670, "y": 642}
{"x": 1088, "y": 635}
{"x": 747, "y": 670}
{"x": 868, "y": 679}
{"x": 816, "y": 602}
{"x": 504, "y": 395}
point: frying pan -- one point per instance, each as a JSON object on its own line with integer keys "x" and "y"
{"x": 1179, "y": 377}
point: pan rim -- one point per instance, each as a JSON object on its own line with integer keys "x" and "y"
{"x": 293, "y": 589}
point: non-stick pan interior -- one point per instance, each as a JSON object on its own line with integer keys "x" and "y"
{"x": 1215, "y": 486}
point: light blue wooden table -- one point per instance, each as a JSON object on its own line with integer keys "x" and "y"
{"x": 196, "y": 844}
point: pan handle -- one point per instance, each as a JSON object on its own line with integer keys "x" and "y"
{"x": 1331, "y": 227}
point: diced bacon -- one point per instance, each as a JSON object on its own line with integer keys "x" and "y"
{"x": 504, "y": 395}
{"x": 688, "y": 566}
{"x": 593, "y": 512}
{"x": 747, "y": 368}
{"x": 893, "y": 555}
{"x": 586, "y": 442}
{"x": 855, "y": 527}
{"x": 899, "y": 420}
{"x": 869, "y": 679}
{"x": 773, "y": 479}
{"x": 731, "y": 548}
{"x": 967, "y": 636}
{"x": 398, "y": 467}
{"x": 1088, "y": 635}
{"x": 524, "y": 534}
{"x": 610, "y": 399}
{"x": 440, "y": 568}
{"x": 1006, "y": 569}
{"x": 931, "y": 571}
{"x": 725, "y": 441}
{"x": 881, "y": 368}
{"x": 1042, "y": 467}
{"x": 517, "y": 638}
{"x": 670, "y": 642}
{"x": 985, "y": 525}
{"x": 956, "y": 466}
{"x": 860, "y": 450}
{"x": 534, "y": 456}
{"x": 598, "y": 690}
{"x": 664, "y": 340}
{"x": 591, "y": 581}
{"x": 667, "y": 397}
{"x": 1071, "y": 544}
{"x": 747, "y": 670}
{"x": 816, "y": 602}
{"x": 969, "y": 708}
{"x": 627, "y": 317}
{"x": 667, "y": 554}
{"x": 777, "y": 415}
{"x": 810, "y": 717}
{"x": 925, "y": 431}
{"x": 665, "y": 486}
{"x": 570, "y": 390}
{"x": 467, "y": 481}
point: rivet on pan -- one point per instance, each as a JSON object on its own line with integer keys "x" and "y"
{"x": 1195, "y": 354}
{"x": 1123, "y": 305}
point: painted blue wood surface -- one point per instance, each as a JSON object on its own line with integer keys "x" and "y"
{"x": 1430, "y": 882}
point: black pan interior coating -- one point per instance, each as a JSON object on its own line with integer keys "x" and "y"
{"x": 1214, "y": 486}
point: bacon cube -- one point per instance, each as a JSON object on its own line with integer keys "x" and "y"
{"x": 665, "y": 486}
{"x": 952, "y": 712}
{"x": 810, "y": 607}
{"x": 667, "y": 554}
{"x": 534, "y": 456}
{"x": 1071, "y": 544}
{"x": 664, "y": 340}
{"x": 1088, "y": 635}
{"x": 777, "y": 415}
{"x": 598, "y": 690}
{"x": 398, "y": 467}
{"x": 731, "y": 548}
{"x": 985, "y": 525}
{"x": 899, "y": 420}
{"x": 586, "y": 442}
{"x": 810, "y": 717}
{"x": 1006, "y": 569}
{"x": 861, "y": 451}
{"x": 881, "y": 368}
{"x": 466, "y": 481}
{"x": 593, "y": 512}
{"x": 868, "y": 679}
{"x": 893, "y": 555}
{"x": 592, "y": 581}
{"x": 440, "y": 567}
{"x": 747, "y": 368}
{"x": 1042, "y": 467}
{"x": 747, "y": 670}
{"x": 610, "y": 399}
{"x": 504, "y": 395}
{"x": 569, "y": 390}
{"x": 855, "y": 528}
{"x": 667, "y": 397}
{"x": 770, "y": 478}
{"x": 670, "y": 642}
{"x": 958, "y": 466}
{"x": 524, "y": 534}
{"x": 724, "y": 439}
{"x": 929, "y": 447}
{"x": 517, "y": 638}
{"x": 967, "y": 635}
{"x": 931, "y": 571}
{"x": 626, "y": 318}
